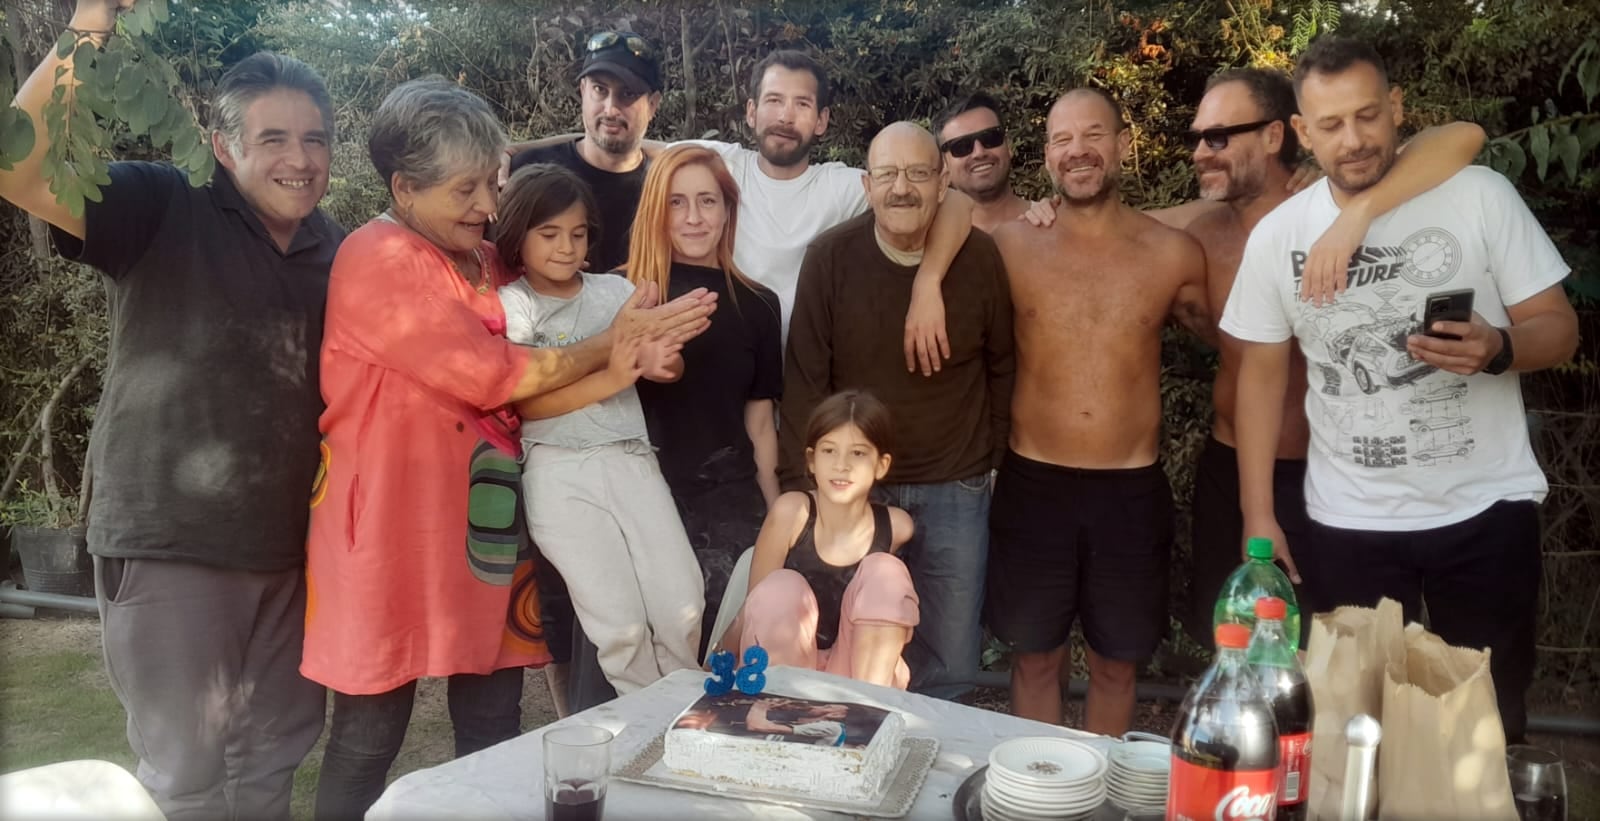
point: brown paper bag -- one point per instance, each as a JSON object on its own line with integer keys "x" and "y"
{"x": 1345, "y": 660}
{"x": 1444, "y": 751}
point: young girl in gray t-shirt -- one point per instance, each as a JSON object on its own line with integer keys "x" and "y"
{"x": 597, "y": 505}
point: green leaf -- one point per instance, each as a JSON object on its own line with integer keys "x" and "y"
{"x": 107, "y": 67}
{"x": 1589, "y": 78}
{"x": 16, "y": 136}
{"x": 1589, "y": 136}
{"x": 201, "y": 174}
{"x": 1567, "y": 149}
{"x": 1539, "y": 147}
{"x": 66, "y": 44}
{"x": 1509, "y": 158}
{"x": 148, "y": 110}
{"x": 158, "y": 10}
{"x": 136, "y": 22}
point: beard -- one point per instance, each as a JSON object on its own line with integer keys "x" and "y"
{"x": 784, "y": 158}
{"x": 1353, "y": 181}
{"x": 1081, "y": 196}
{"x": 1241, "y": 180}
{"x": 623, "y": 143}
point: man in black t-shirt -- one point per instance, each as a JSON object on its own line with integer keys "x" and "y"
{"x": 205, "y": 439}
{"x": 620, "y": 88}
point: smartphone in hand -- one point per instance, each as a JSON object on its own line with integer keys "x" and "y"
{"x": 1446, "y": 306}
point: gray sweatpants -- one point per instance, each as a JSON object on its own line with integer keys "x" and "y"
{"x": 206, "y": 662}
{"x": 605, "y": 518}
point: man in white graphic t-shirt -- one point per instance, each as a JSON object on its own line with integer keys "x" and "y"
{"x": 1421, "y": 484}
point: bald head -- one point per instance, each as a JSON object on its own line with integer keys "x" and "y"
{"x": 1088, "y": 97}
{"x": 903, "y": 143}
{"x": 905, "y": 183}
{"x": 1085, "y": 143}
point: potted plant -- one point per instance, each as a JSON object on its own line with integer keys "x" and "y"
{"x": 48, "y": 536}
{"x": 46, "y": 523}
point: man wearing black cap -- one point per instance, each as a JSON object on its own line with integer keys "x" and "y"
{"x": 620, "y": 87}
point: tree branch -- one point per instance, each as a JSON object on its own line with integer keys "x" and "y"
{"x": 47, "y": 465}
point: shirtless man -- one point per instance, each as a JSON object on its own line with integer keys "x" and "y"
{"x": 1081, "y": 523}
{"x": 1245, "y": 153}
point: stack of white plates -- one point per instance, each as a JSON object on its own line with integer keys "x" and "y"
{"x": 1137, "y": 777}
{"x": 1033, "y": 779}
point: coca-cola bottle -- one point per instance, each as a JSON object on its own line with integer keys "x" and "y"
{"x": 1225, "y": 744}
{"x": 1272, "y": 654}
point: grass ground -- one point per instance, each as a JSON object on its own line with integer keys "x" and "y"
{"x": 56, "y": 705}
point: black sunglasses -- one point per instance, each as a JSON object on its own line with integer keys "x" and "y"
{"x": 1217, "y": 138}
{"x": 961, "y": 146}
{"x": 640, "y": 47}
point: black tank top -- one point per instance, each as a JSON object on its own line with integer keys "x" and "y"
{"x": 828, "y": 581}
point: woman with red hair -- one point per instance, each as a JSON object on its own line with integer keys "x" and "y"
{"x": 715, "y": 426}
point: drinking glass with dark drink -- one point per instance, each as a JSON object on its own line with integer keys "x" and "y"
{"x": 577, "y": 766}
{"x": 1538, "y": 783}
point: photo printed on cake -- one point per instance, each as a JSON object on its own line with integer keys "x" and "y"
{"x": 783, "y": 718}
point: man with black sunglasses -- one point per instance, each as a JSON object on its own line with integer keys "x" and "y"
{"x": 1245, "y": 153}
{"x": 972, "y": 136}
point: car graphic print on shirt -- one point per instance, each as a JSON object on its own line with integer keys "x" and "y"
{"x": 1385, "y": 408}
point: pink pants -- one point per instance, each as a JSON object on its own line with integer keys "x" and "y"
{"x": 781, "y": 612}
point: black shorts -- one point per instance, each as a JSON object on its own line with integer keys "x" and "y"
{"x": 1478, "y": 578}
{"x": 1071, "y": 543}
{"x": 1217, "y": 528}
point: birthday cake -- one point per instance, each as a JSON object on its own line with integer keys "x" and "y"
{"x": 830, "y": 750}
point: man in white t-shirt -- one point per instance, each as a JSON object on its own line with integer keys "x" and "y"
{"x": 786, "y": 200}
{"x": 1421, "y": 484}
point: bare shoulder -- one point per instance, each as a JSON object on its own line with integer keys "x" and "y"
{"x": 788, "y": 514}
{"x": 902, "y": 528}
{"x": 1178, "y": 249}
{"x": 1018, "y": 234}
{"x": 1185, "y": 215}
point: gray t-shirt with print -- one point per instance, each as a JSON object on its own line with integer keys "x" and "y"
{"x": 544, "y": 321}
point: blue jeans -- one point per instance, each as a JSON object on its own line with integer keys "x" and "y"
{"x": 948, "y": 557}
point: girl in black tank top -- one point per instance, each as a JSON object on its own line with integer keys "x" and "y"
{"x": 829, "y": 580}
{"x": 824, "y": 539}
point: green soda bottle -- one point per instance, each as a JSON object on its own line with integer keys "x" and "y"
{"x": 1256, "y": 579}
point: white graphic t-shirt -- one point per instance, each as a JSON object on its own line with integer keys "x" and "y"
{"x": 779, "y": 218}
{"x": 1397, "y": 444}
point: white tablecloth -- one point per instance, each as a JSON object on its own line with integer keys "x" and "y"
{"x": 506, "y": 781}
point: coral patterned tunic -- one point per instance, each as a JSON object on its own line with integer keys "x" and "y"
{"x": 416, "y": 561}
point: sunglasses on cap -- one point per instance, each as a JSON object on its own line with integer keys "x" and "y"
{"x": 640, "y": 47}
{"x": 990, "y": 137}
{"x": 1216, "y": 139}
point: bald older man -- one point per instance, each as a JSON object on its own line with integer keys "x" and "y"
{"x": 950, "y": 427}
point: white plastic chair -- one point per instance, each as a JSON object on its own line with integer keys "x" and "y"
{"x": 87, "y": 790}
{"x": 732, "y": 596}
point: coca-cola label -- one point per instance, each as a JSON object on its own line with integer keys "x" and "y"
{"x": 1198, "y": 793}
{"x": 1294, "y": 768}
